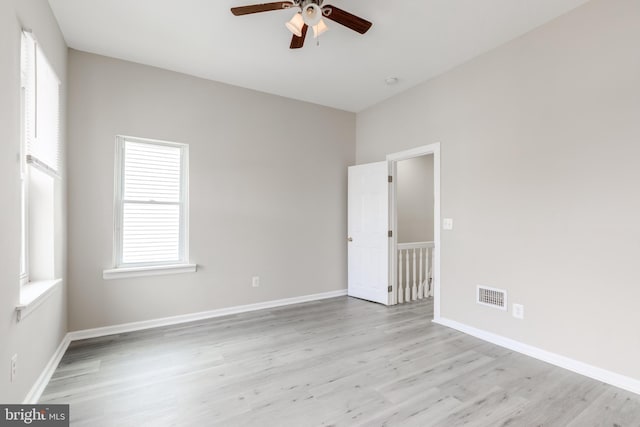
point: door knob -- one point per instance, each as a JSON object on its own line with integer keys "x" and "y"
{"x": 349, "y": 239}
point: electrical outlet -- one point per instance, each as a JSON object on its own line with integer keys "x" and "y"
{"x": 518, "y": 311}
{"x": 255, "y": 281}
{"x": 14, "y": 366}
{"x": 447, "y": 224}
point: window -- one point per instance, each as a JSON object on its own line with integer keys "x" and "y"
{"x": 151, "y": 205}
{"x": 39, "y": 161}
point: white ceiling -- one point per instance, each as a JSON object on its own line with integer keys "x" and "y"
{"x": 413, "y": 40}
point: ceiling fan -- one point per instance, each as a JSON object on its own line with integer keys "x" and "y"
{"x": 309, "y": 13}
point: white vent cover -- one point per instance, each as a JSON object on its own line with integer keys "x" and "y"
{"x": 492, "y": 297}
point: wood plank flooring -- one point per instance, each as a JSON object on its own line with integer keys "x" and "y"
{"x": 337, "y": 362}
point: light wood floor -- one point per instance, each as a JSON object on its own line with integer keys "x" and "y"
{"x": 338, "y": 362}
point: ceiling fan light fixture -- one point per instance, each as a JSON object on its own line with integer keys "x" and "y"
{"x": 311, "y": 14}
{"x": 295, "y": 24}
{"x": 319, "y": 29}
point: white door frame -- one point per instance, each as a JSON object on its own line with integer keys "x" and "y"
{"x": 393, "y": 159}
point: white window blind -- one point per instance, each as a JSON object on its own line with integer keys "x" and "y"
{"x": 41, "y": 89}
{"x": 151, "y": 203}
{"x": 39, "y": 160}
{"x": 27, "y": 83}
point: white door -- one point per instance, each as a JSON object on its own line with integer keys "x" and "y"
{"x": 368, "y": 228}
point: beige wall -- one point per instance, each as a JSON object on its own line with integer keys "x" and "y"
{"x": 267, "y": 196}
{"x": 414, "y": 199}
{"x": 35, "y": 338}
{"x": 540, "y": 149}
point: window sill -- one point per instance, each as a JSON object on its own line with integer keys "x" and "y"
{"x": 33, "y": 294}
{"x": 156, "y": 270}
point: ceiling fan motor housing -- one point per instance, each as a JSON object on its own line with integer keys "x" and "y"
{"x": 303, "y": 3}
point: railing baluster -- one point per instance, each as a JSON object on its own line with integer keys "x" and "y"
{"x": 414, "y": 289}
{"x": 407, "y": 291}
{"x": 400, "y": 299}
{"x": 431, "y": 252}
{"x": 427, "y": 271}
{"x": 421, "y": 282}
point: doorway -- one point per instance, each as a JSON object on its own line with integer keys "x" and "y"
{"x": 414, "y": 212}
{"x": 415, "y": 227}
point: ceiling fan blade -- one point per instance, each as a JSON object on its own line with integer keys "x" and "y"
{"x": 298, "y": 42}
{"x": 263, "y": 7}
{"x": 347, "y": 19}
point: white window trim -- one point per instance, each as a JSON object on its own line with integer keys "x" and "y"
{"x": 33, "y": 294}
{"x": 154, "y": 270}
{"x": 121, "y": 270}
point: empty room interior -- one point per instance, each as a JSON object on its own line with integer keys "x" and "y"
{"x": 320, "y": 212}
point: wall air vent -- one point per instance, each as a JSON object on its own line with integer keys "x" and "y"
{"x": 492, "y": 297}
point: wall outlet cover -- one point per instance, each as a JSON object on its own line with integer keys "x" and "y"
{"x": 518, "y": 311}
{"x": 14, "y": 367}
{"x": 447, "y": 224}
{"x": 255, "y": 281}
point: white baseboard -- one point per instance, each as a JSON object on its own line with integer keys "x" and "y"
{"x": 38, "y": 387}
{"x": 174, "y": 320}
{"x": 603, "y": 375}
{"x": 36, "y": 390}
